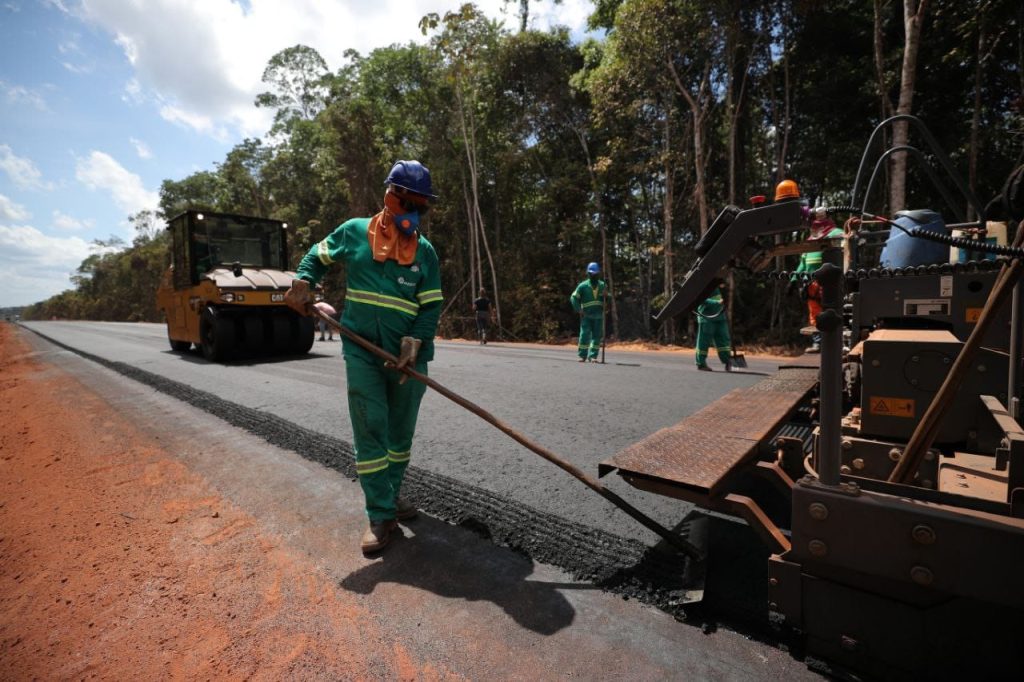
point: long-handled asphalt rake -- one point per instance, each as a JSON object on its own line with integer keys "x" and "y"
{"x": 679, "y": 543}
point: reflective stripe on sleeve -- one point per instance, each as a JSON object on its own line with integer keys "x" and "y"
{"x": 429, "y": 296}
{"x": 323, "y": 252}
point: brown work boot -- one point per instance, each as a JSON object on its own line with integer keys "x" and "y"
{"x": 377, "y": 535}
{"x": 405, "y": 510}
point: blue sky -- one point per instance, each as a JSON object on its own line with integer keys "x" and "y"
{"x": 101, "y": 100}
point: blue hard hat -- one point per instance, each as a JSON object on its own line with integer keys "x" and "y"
{"x": 593, "y": 268}
{"x": 413, "y": 176}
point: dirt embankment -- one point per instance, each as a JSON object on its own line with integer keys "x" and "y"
{"x": 117, "y": 561}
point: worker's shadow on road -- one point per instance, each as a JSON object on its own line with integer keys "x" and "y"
{"x": 457, "y": 564}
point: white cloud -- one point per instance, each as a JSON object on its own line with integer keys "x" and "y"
{"x": 141, "y": 148}
{"x": 203, "y": 59}
{"x": 133, "y": 92}
{"x": 19, "y": 94}
{"x": 22, "y": 172}
{"x": 62, "y": 221}
{"x": 34, "y": 266}
{"x": 196, "y": 121}
{"x": 12, "y": 211}
{"x": 101, "y": 171}
{"x": 77, "y": 68}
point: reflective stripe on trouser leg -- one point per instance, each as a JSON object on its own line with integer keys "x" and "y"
{"x": 585, "y": 332}
{"x": 404, "y": 400}
{"x": 381, "y": 410}
{"x": 722, "y": 342}
{"x": 596, "y": 330}
{"x": 704, "y": 337}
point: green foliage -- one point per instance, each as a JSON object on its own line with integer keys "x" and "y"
{"x": 561, "y": 141}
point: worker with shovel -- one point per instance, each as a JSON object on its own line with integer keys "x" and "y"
{"x": 394, "y": 301}
{"x": 713, "y": 328}
{"x": 588, "y": 301}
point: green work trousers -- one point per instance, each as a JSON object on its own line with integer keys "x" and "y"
{"x": 713, "y": 331}
{"x": 591, "y": 333}
{"x": 383, "y": 414}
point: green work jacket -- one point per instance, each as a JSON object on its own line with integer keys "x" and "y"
{"x": 811, "y": 261}
{"x": 588, "y": 299}
{"x": 383, "y": 301}
{"x": 712, "y": 307}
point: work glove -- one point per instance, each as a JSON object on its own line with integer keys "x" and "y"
{"x": 407, "y": 355}
{"x": 298, "y": 297}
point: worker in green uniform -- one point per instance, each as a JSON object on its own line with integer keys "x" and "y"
{"x": 588, "y": 301}
{"x": 713, "y": 328}
{"x": 393, "y": 300}
{"x": 810, "y": 290}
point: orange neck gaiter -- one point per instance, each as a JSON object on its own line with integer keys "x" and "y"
{"x": 386, "y": 240}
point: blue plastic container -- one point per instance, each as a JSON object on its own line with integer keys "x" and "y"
{"x": 901, "y": 250}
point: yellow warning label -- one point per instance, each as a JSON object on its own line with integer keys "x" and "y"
{"x": 891, "y": 407}
{"x": 972, "y": 315}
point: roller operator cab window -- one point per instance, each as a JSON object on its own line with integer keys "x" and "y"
{"x": 224, "y": 240}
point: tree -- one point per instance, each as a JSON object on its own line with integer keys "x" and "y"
{"x": 241, "y": 181}
{"x": 297, "y": 76}
{"x": 200, "y": 190}
{"x": 913, "y": 18}
{"x": 465, "y": 43}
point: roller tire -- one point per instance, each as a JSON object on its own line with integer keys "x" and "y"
{"x": 217, "y": 335}
{"x": 303, "y": 339}
{"x": 253, "y": 333}
{"x": 281, "y": 328}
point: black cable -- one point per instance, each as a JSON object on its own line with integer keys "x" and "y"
{"x": 921, "y": 233}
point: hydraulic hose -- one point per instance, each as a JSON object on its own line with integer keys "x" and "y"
{"x": 921, "y": 233}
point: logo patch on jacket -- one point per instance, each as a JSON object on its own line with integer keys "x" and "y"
{"x": 401, "y": 280}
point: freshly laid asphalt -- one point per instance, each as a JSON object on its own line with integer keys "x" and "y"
{"x": 463, "y": 470}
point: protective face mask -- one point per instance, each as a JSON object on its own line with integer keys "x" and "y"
{"x": 407, "y": 223}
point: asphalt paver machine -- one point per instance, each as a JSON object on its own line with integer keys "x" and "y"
{"x": 897, "y": 550}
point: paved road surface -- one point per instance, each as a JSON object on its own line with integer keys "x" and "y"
{"x": 583, "y": 412}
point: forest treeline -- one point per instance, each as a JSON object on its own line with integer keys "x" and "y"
{"x": 549, "y": 153}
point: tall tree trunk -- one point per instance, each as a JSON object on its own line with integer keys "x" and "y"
{"x": 468, "y": 130}
{"x": 595, "y": 188}
{"x": 474, "y": 281}
{"x": 666, "y": 208}
{"x": 885, "y": 104}
{"x": 698, "y": 112}
{"x": 913, "y": 18}
{"x": 667, "y": 216}
{"x": 972, "y": 154}
{"x": 784, "y": 145}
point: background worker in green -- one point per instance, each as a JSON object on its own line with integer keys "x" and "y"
{"x": 588, "y": 301}
{"x": 713, "y": 328}
{"x": 393, "y": 300}
{"x": 810, "y": 290}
